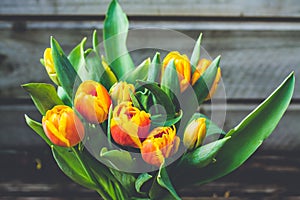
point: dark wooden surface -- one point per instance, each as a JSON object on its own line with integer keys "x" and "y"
{"x": 260, "y": 45}
{"x": 266, "y": 175}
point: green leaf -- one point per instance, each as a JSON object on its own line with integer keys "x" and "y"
{"x": 203, "y": 155}
{"x": 64, "y": 96}
{"x": 162, "y": 98}
{"x": 117, "y": 159}
{"x": 127, "y": 180}
{"x": 154, "y": 69}
{"x": 134, "y": 100}
{"x": 66, "y": 73}
{"x": 205, "y": 82}
{"x": 109, "y": 138}
{"x": 95, "y": 42}
{"x": 139, "y": 73}
{"x": 196, "y": 53}
{"x": 69, "y": 163}
{"x": 248, "y": 135}
{"x": 169, "y": 82}
{"x": 166, "y": 120}
{"x": 164, "y": 181}
{"x": 114, "y": 37}
{"x": 38, "y": 128}
{"x": 76, "y": 57}
{"x": 142, "y": 178}
{"x": 143, "y": 98}
{"x": 43, "y": 95}
{"x": 99, "y": 71}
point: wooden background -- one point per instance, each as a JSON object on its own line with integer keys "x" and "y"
{"x": 260, "y": 45}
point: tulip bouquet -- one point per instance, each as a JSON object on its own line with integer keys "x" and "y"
{"x": 136, "y": 132}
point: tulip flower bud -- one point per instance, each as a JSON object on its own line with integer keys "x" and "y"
{"x": 92, "y": 101}
{"x": 161, "y": 143}
{"x": 62, "y": 126}
{"x": 129, "y": 125}
{"x": 194, "y": 133}
{"x": 183, "y": 68}
{"x": 203, "y": 64}
{"x": 120, "y": 92}
{"x": 49, "y": 65}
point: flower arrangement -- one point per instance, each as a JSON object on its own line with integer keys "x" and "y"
{"x": 134, "y": 132}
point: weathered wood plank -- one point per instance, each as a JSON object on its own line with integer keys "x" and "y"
{"x": 255, "y": 8}
{"x": 253, "y": 62}
{"x": 15, "y": 133}
{"x": 270, "y": 175}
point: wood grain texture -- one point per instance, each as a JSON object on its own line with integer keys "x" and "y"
{"x": 254, "y": 8}
{"x": 270, "y": 175}
{"x": 253, "y": 63}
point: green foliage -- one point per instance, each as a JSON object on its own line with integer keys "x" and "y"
{"x": 205, "y": 82}
{"x": 163, "y": 188}
{"x": 162, "y": 98}
{"x": 43, "y": 95}
{"x": 66, "y": 73}
{"x": 196, "y": 53}
{"x": 38, "y": 128}
{"x": 141, "y": 180}
{"x": 201, "y": 156}
{"x": 246, "y": 137}
{"x": 139, "y": 73}
{"x": 154, "y": 69}
{"x": 114, "y": 38}
{"x": 71, "y": 165}
{"x": 169, "y": 82}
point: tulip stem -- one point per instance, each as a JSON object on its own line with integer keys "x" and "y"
{"x": 91, "y": 175}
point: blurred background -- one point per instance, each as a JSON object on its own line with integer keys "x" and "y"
{"x": 260, "y": 45}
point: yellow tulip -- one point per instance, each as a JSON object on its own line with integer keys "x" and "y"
{"x": 194, "y": 133}
{"x": 120, "y": 92}
{"x": 203, "y": 64}
{"x": 49, "y": 65}
{"x": 62, "y": 126}
{"x": 92, "y": 101}
{"x": 183, "y": 68}
{"x": 129, "y": 125}
{"x": 161, "y": 143}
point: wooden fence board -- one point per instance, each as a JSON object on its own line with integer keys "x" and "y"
{"x": 237, "y": 8}
{"x": 253, "y": 62}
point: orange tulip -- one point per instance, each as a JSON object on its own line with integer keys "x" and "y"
{"x": 92, "y": 101}
{"x": 120, "y": 92}
{"x": 62, "y": 126}
{"x": 183, "y": 68}
{"x": 49, "y": 65}
{"x": 194, "y": 133}
{"x": 203, "y": 64}
{"x": 161, "y": 143}
{"x": 129, "y": 125}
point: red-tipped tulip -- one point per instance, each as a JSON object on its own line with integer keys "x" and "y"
{"x": 129, "y": 125}
{"x": 161, "y": 143}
